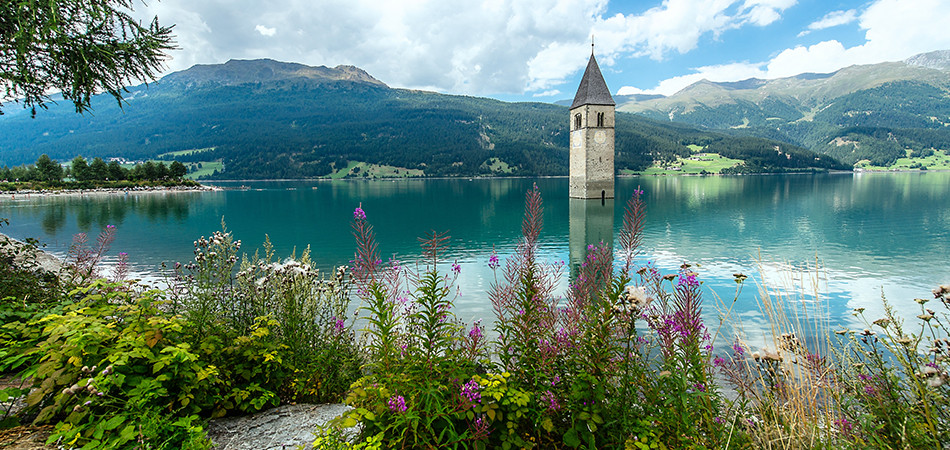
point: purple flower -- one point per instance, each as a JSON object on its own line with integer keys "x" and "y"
{"x": 110, "y": 227}
{"x": 358, "y": 213}
{"x": 688, "y": 281}
{"x": 456, "y": 268}
{"x": 738, "y": 349}
{"x": 844, "y": 425}
{"x": 338, "y": 325}
{"x": 481, "y": 428}
{"x": 397, "y": 404}
{"x": 476, "y": 332}
{"x": 638, "y": 191}
{"x": 549, "y": 399}
{"x": 471, "y": 392}
{"x": 493, "y": 261}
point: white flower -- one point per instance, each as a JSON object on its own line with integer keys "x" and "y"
{"x": 637, "y": 296}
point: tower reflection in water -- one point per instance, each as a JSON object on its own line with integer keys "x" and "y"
{"x": 591, "y": 222}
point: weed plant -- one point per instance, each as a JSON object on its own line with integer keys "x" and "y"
{"x": 625, "y": 360}
{"x": 113, "y": 364}
{"x": 621, "y": 362}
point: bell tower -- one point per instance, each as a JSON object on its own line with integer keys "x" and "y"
{"x": 592, "y": 137}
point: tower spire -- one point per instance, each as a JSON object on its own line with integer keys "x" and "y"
{"x": 592, "y": 45}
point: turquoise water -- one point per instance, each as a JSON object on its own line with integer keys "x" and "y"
{"x": 850, "y": 237}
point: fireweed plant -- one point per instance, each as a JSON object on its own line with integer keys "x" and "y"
{"x": 622, "y": 362}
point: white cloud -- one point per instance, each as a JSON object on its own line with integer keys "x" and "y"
{"x": 550, "y": 93}
{"x": 823, "y": 57}
{"x": 264, "y": 31}
{"x": 487, "y": 47}
{"x": 678, "y": 25}
{"x": 894, "y": 30}
{"x": 629, "y": 90}
{"x": 461, "y": 46}
{"x": 724, "y": 72}
{"x": 833, "y": 19}
{"x": 765, "y": 12}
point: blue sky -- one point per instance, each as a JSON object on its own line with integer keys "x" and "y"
{"x": 536, "y": 50}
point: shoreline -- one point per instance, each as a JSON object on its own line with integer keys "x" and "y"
{"x": 619, "y": 175}
{"x": 108, "y": 191}
{"x": 22, "y": 251}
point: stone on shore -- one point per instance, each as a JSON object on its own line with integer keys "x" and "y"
{"x": 283, "y": 427}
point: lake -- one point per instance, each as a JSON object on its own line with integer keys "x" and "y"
{"x": 847, "y": 237}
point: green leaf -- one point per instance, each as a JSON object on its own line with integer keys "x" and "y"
{"x": 547, "y": 424}
{"x": 35, "y": 397}
{"x": 571, "y": 439}
{"x": 45, "y": 414}
{"x": 127, "y": 433}
{"x": 113, "y": 423}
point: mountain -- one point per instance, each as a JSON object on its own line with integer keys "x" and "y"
{"x": 872, "y": 112}
{"x": 237, "y": 72}
{"x": 268, "y": 119}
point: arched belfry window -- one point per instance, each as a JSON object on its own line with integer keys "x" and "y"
{"x": 600, "y": 119}
{"x": 577, "y": 120}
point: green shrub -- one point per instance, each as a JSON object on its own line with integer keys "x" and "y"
{"x": 112, "y": 368}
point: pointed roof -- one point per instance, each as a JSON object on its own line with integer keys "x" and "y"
{"x": 593, "y": 89}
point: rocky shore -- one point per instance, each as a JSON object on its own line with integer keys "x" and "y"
{"x": 108, "y": 191}
{"x": 25, "y": 253}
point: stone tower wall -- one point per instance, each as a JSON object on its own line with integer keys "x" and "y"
{"x": 592, "y": 152}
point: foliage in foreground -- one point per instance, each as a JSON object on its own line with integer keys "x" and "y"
{"x": 112, "y": 364}
{"x": 78, "y": 48}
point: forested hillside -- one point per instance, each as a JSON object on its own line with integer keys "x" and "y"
{"x": 876, "y": 113}
{"x": 301, "y": 122}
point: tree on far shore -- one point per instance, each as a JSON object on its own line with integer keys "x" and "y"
{"x": 177, "y": 170}
{"x": 98, "y": 169}
{"x": 79, "y": 169}
{"x": 48, "y": 169}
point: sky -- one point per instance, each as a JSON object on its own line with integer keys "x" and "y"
{"x": 536, "y": 50}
